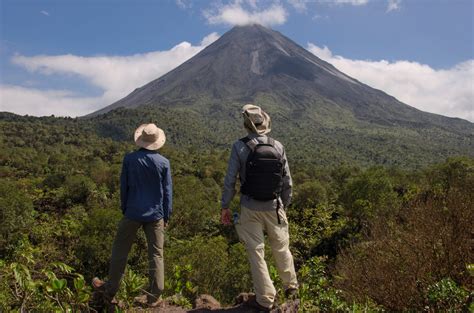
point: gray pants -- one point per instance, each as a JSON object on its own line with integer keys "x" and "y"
{"x": 126, "y": 235}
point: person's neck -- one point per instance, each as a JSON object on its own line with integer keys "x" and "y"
{"x": 146, "y": 150}
{"x": 255, "y": 135}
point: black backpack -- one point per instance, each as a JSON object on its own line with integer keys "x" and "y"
{"x": 264, "y": 170}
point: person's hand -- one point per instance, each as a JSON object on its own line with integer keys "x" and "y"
{"x": 225, "y": 217}
{"x": 165, "y": 225}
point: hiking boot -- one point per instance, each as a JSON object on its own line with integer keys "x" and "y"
{"x": 141, "y": 299}
{"x": 291, "y": 293}
{"x": 147, "y": 301}
{"x": 156, "y": 304}
{"x": 98, "y": 284}
{"x": 252, "y": 302}
{"x": 99, "y": 287}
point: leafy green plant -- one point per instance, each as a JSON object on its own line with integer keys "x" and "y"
{"x": 276, "y": 281}
{"x": 447, "y": 296}
{"x": 56, "y": 287}
{"x": 317, "y": 294}
{"x": 179, "y": 300}
{"x": 181, "y": 285}
{"x": 132, "y": 286}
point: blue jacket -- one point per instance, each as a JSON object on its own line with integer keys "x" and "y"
{"x": 146, "y": 187}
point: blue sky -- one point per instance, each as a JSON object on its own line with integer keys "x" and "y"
{"x": 71, "y": 57}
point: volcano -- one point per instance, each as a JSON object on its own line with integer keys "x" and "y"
{"x": 312, "y": 103}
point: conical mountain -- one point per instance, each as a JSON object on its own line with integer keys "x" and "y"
{"x": 244, "y": 62}
{"x": 305, "y": 95}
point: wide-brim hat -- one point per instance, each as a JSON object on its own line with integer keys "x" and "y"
{"x": 150, "y": 137}
{"x": 256, "y": 120}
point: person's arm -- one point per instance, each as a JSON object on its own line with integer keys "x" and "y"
{"x": 287, "y": 183}
{"x": 229, "y": 185}
{"x": 124, "y": 186}
{"x": 167, "y": 193}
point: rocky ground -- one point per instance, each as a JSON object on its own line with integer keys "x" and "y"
{"x": 207, "y": 303}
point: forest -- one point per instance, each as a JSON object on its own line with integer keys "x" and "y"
{"x": 365, "y": 238}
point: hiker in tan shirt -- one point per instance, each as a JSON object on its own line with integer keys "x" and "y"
{"x": 261, "y": 164}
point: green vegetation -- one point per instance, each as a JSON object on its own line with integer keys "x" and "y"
{"x": 364, "y": 238}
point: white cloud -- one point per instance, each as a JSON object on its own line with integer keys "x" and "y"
{"x": 236, "y": 14}
{"x": 184, "y": 4}
{"x": 116, "y": 76}
{"x": 206, "y": 41}
{"x": 318, "y": 17}
{"x": 393, "y": 5}
{"x": 351, "y": 2}
{"x": 46, "y": 13}
{"x": 299, "y": 5}
{"x": 448, "y": 92}
{"x": 253, "y": 3}
{"x": 38, "y": 102}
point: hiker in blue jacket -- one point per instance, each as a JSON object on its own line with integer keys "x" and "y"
{"x": 146, "y": 201}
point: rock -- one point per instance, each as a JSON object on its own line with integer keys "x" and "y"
{"x": 206, "y": 302}
{"x": 291, "y": 306}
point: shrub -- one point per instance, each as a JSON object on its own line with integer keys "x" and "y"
{"x": 227, "y": 277}
{"x": 408, "y": 252}
{"x": 78, "y": 188}
{"x": 446, "y": 296}
{"x": 16, "y": 214}
{"x": 195, "y": 206}
{"x": 368, "y": 194}
{"x": 97, "y": 235}
{"x": 309, "y": 194}
{"x": 315, "y": 231}
{"x": 29, "y": 286}
{"x": 132, "y": 285}
{"x": 317, "y": 294}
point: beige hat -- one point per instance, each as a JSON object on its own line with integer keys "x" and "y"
{"x": 256, "y": 120}
{"x": 150, "y": 137}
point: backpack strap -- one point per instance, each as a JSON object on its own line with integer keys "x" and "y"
{"x": 251, "y": 144}
{"x": 245, "y": 139}
{"x": 271, "y": 141}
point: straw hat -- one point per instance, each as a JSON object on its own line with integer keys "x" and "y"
{"x": 150, "y": 137}
{"x": 256, "y": 120}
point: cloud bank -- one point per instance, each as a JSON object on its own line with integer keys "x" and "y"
{"x": 448, "y": 92}
{"x": 116, "y": 76}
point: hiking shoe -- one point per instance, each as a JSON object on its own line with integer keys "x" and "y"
{"x": 98, "y": 284}
{"x": 291, "y": 293}
{"x": 252, "y": 302}
{"x": 156, "y": 304}
{"x": 141, "y": 299}
{"x": 151, "y": 302}
{"x": 99, "y": 287}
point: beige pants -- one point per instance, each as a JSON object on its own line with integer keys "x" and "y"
{"x": 126, "y": 234}
{"x": 250, "y": 229}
